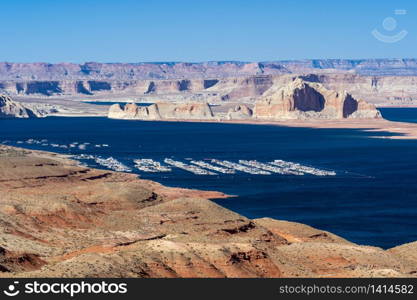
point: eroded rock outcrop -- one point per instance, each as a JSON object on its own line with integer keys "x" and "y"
{"x": 297, "y": 100}
{"x": 219, "y": 69}
{"x": 190, "y": 110}
{"x": 240, "y": 112}
{"x": 134, "y": 112}
{"x": 162, "y": 111}
{"x": 310, "y": 100}
{"x": 12, "y": 109}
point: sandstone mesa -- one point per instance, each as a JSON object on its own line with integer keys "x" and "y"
{"x": 297, "y": 100}
{"x": 380, "y": 81}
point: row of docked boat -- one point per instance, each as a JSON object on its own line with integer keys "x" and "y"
{"x": 239, "y": 167}
{"x": 46, "y": 143}
{"x": 112, "y": 164}
{"x": 301, "y": 168}
{"x": 270, "y": 168}
{"x": 150, "y": 166}
{"x": 109, "y": 163}
{"x": 198, "y": 167}
{"x": 190, "y": 168}
{"x": 212, "y": 167}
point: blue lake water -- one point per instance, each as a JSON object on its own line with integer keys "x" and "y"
{"x": 372, "y": 199}
{"x": 400, "y": 114}
{"x": 111, "y": 103}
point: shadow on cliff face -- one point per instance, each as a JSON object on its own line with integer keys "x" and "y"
{"x": 308, "y": 99}
{"x": 350, "y": 105}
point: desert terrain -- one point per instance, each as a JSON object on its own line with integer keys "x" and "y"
{"x": 60, "y": 219}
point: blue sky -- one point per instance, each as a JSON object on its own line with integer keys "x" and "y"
{"x": 180, "y": 30}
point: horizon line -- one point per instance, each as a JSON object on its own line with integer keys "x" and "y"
{"x": 211, "y": 61}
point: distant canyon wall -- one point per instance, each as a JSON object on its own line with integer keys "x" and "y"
{"x": 94, "y": 87}
{"x": 372, "y": 80}
{"x": 215, "y": 69}
{"x": 377, "y": 89}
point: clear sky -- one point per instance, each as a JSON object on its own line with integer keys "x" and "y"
{"x": 181, "y": 30}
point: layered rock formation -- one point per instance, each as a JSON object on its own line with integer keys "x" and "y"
{"x": 185, "y": 111}
{"x": 383, "y": 81}
{"x": 162, "y": 111}
{"x": 59, "y": 219}
{"x": 240, "y": 112}
{"x": 175, "y": 70}
{"x": 298, "y": 100}
{"x": 309, "y": 100}
{"x": 383, "y": 90}
{"x": 132, "y": 111}
{"x": 12, "y": 109}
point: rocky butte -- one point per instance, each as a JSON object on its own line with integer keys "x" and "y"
{"x": 310, "y": 100}
{"x": 61, "y": 219}
{"x": 298, "y": 100}
{"x": 12, "y": 109}
{"x": 162, "y": 111}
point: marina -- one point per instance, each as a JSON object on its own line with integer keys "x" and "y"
{"x": 301, "y": 168}
{"x": 112, "y": 164}
{"x": 190, "y": 168}
{"x": 239, "y": 167}
{"x": 266, "y": 167}
{"x": 197, "y": 167}
{"x": 209, "y": 166}
{"x": 46, "y": 143}
{"x": 150, "y": 166}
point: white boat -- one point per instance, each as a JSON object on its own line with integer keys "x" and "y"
{"x": 208, "y": 166}
{"x": 270, "y": 168}
{"x": 150, "y": 166}
{"x": 190, "y": 168}
{"x": 302, "y": 168}
{"x": 239, "y": 167}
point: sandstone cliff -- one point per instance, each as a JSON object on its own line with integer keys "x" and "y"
{"x": 382, "y": 90}
{"x": 298, "y": 100}
{"x": 239, "y": 112}
{"x": 162, "y": 111}
{"x": 310, "y": 100}
{"x": 389, "y": 82}
{"x": 59, "y": 219}
{"x": 183, "y": 70}
{"x": 132, "y": 111}
{"x": 12, "y": 109}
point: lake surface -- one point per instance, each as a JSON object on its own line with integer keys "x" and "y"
{"x": 371, "y": 200}
{"x": 108, "y": 103}
{"x": 400, "y": 114}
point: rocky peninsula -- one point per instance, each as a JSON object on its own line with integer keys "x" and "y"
{"x": 60, "y": 219}
{"x": 12, "y": 109}
{"x": 299, "y": 103}
{"x": 298, "y": 100}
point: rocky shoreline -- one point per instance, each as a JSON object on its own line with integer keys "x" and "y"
{"x": 60, "y": 219}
